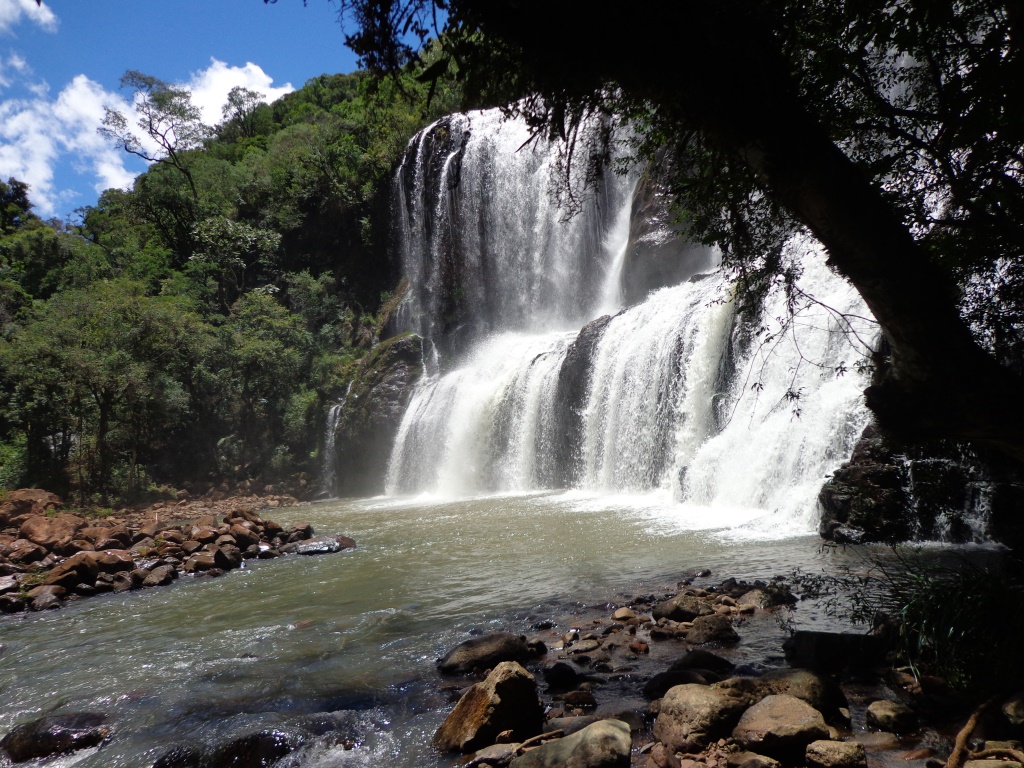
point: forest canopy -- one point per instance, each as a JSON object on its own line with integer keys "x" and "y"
{"x": 193, "y": 328}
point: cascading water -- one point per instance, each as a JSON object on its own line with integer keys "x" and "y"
{"x": 677, "y": 397}
{"x": 328, "y": 467}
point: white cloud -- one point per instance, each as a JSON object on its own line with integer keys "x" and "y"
{"x": 39, "y": 134}
{"x": 12, "y": 12}
{"x": 210, "y": 87}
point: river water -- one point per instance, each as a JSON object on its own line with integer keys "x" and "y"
{"x": 358, "y": 632}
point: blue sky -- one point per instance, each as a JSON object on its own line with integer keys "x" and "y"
{"x": 60, "y": 65}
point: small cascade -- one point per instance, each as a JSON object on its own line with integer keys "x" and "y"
{"x": 328, "y": 466}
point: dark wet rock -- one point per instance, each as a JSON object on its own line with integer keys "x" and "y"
{"x": 12, "y": 604}
{"x": 182, "y": 757}
{"x": 494, "y": 755}
{"x": 712, "y": 629}
{"x": 657, "y": 254}
{"x": 322, "y": 545}
{"x": 561, "y": 676}
{"x": 835, "y": 754}
{"x": 256, "y": 750}
{"x": 480, "y": 653}
{"x": 698, "y": 658}
{"x": 658, "y": 685}
{"x": 505, "y": 701}
{"x": 891, "y": 716}
{"x": 54, "y": 735}
{"x": 571, "y": 393}
{"x": 160, "y": 576}
{"x": 604, "y": 744}
{"x": 780, "y": 727}
{"x": 682, "y": 607}
{"x": 123, "y": 582}
{"x": 835, "y": 651}
{"x": 691, "y": 716}
{"x": 580, "y": 699}
{"x": 381, "y": 388}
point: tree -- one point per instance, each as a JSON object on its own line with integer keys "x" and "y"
{"x": 889, "y": 129}
{"x": 241, "y": 110}
{"x": 171, "y": 124}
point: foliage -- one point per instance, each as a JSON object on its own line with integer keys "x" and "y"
{"x": 193, "y": 328}
{"x": 965, "y": 640}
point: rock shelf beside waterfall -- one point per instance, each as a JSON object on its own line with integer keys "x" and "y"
{"x": 48, "y": 558}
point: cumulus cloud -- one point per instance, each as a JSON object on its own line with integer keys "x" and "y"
{"x": 39, "y": 134}
{"x": 210, "y": 87}
{"x": 13, "y": 12}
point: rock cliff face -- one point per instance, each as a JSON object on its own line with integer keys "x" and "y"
{"x": 382, "y": 385}
{"x": 939, "y": 491}
{"x": 656, "y": 255}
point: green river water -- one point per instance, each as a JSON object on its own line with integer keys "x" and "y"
{"x": 358, "y": 632}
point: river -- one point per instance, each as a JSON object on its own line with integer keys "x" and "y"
{"x": 358, "y": 632}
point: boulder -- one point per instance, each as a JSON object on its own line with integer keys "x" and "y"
{"x": 182, "y": 756}
{"x": 321, "y": 545}
{"x": 817, "y": 691}
{"x": 604, "y": 744}
{"x": 79, "y": 568}
{"x": 698, "y": 658}
{"x": 160, "y": 576}
{"x": 51, "y": 532}
{"x": 505, "y": 701}
{"x": 25, "y": 502}
{"x": 682, "y": 607}
{"x": 115, "y": 560}
{"x": 480, "y": 653}
{"x": 891, "y": 716}
{"x": 781, "y": 727}
{"x": 834, "y": 651}
{"x": 691, "y": 716}
{"x": 560, "y": 675}
{"x": 254, "y": 750}
{"x": 45, "y": 597}
{"x": 659, "y": 685}
{"x": 54, "y": 735}
{"x": 835, "y": 754}
{"x": 23, "y": 551}
{"x": 712, "y": 629}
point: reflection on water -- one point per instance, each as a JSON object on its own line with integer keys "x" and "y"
{"x": 356, "y": 631}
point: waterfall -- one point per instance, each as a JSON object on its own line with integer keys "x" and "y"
{"x": 328, "y": 467}
{"x": 546, "y": 382}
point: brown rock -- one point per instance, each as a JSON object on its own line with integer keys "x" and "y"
{"x": 49, "y": 532}
{"x": 24, "y": 551}
{"x": 835, "y": 754}
{"x": 115, "y": 560}
{"x": 712, "y": 629}
{"x": 45, "y": 597}
{"x": 25, "y": 502}
{"x": 682, "y": 607}
{"x": 781, "y": 727}
{"x": 505, "y": 701}
{"x": 159, "y": 576}
{"x": 891, "y": 716}
{"x": 691, "y": 716}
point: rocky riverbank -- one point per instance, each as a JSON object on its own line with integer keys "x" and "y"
{"x": 49, "y": 556}
{"x": 699, "y": 677}
{"x": 658, "y": 683}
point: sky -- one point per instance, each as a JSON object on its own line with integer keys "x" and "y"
{"x": 61, "y": 63}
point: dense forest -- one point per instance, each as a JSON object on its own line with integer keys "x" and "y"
{"x": 191, "y": 329}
